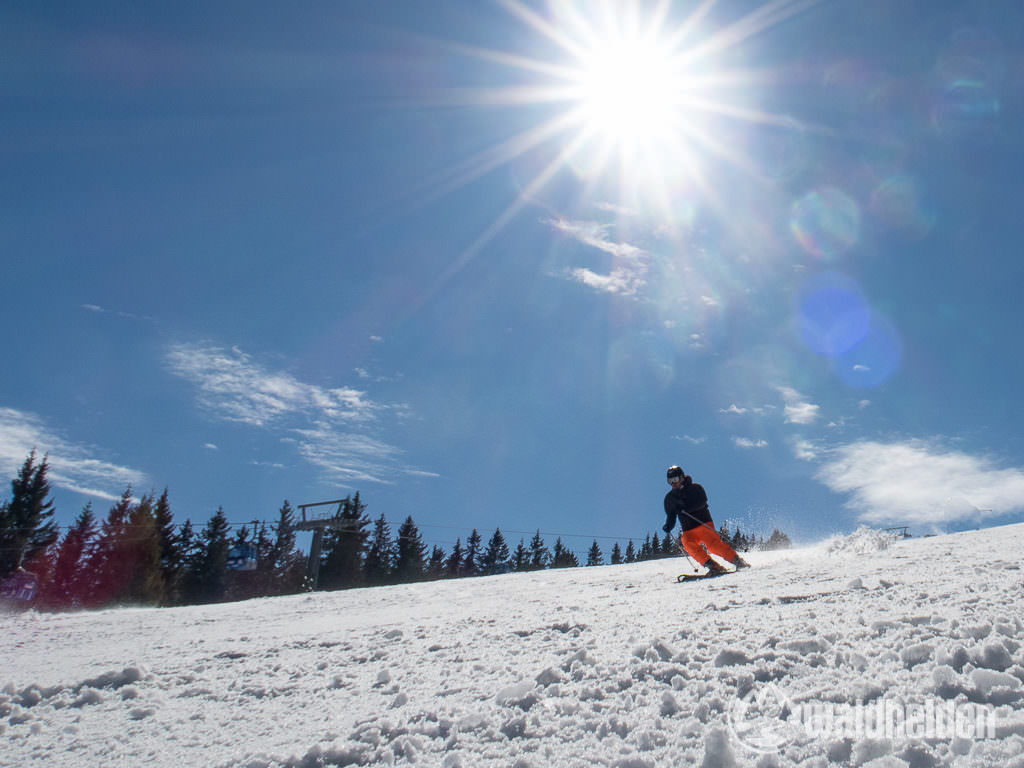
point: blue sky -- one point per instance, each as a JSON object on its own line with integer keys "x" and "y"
{"x": 502, "y": 263}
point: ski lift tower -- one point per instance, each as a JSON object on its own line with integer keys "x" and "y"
{"x": 316, "y": 520}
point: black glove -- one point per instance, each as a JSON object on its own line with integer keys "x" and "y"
{"x": 666, "y": 528}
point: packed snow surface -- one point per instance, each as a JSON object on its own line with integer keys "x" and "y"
{"x": 609, "y": 666}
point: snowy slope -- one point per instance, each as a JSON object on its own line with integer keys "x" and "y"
{"x": 616, "y": 666}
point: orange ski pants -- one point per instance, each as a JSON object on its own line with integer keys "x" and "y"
{"x": 703, "y": 540}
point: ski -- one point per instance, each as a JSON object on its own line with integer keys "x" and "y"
{"x": 698, "y": 576}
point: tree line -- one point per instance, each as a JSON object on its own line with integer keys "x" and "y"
{"x": 358, "y": 552}
{"x": 138, "y": 555}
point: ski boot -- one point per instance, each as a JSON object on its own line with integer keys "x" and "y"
{"x": 714, "y": 569}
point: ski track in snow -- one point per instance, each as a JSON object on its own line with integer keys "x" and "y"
{"x": 612, "y": 666}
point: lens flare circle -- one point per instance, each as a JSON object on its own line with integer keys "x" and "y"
{"x": 826, "y": 222}
{"x": 832, "y": 315}
{"x": 875, "y": 359}
{"x": 900, "y": 204}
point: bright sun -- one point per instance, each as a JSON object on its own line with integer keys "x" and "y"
{"x": 629, "y": 91}
{"x": 635, "y": 96}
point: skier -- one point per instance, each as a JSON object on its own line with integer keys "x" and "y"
{"x": 688, "y": 501}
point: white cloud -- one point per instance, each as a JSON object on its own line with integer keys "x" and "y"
{"x": 746, "y": 442}
{"x": 104, "y": 311}
{"x": 710, "y": 301}
{"x": 347, "y": 457}
{"x": 689, "y": 439}
{"x": 797, "y": 409}
{"x": 624, "y": 282}
{"x": 805, "y": 450}
{"x": 211, "y": 447}
{"x": 735, "y": 409}
{"x": 863, "y": 404}
{"x": 235, "y": 388}
{"x": 627, "y": 275}
{"x": 915, "y": 482}
{"x": 73, "y": 466}
{"x": 596, "y": 235}
{"x": 326, "y": 420}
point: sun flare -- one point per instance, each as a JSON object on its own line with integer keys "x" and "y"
{"x": 632, "y": 95}
{"x": 628, "y": 91}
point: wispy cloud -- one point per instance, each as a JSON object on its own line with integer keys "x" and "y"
{"x": 689, "y": 439}
{"x": 627, "y": 275}
{"x": 624, "y": 282}
{"x": 595, "y": 235}
{"x": 329, "y": 425}
{"x": 805, "y": 450}
{"x": 918, "y": 482}
{"x": 797, "y": 409}
{"x": 97, "y": 309}
{"x": 620, "y": 210}
{"x": 73, "y": 466}
{"x": 235, "y": 388}
{"x": 746, "y": 442}
{"x": 734, "y": 409}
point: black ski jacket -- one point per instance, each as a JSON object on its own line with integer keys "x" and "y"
{"x": 689, "y": 504}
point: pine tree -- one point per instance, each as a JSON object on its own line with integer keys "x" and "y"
{"x": 380, "y": 557}
{"x": 410, "y": 561}
{"x": 496, "y": 558}
{"x": 645, "y": 549}
{"x": 65, "y": 587}
{"x": 27, "y": 528}
{"x": 286, "y": 565}
{"x": 436, "y": 566}
{"x": 171, "y": 557}
{"x": 241, "y": 584}
{"x": 740, "y": 542}
{"x": 668, "y": 546}
{"x": 778, "y": 540}
{"x": 595, "y": 556}
{"x": 471, "y": 563}
{"x": 345, "y": 547}
{"x": 616, "y": 554}
{"x": 188, "y": 578}
{"x": 655, "y": 551}
{"x": 539, "y": 555}
{"x": 262, "y": 578}
{"x": 562, "y": 557}
{"x": 630, "y": 552}
{"x": 521, "y": 557}
{"x": 453, "y": 566}
{"x": 105, "y": 568}
{"x": 212, "y": 562}
{"x": 143, "y": 580}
